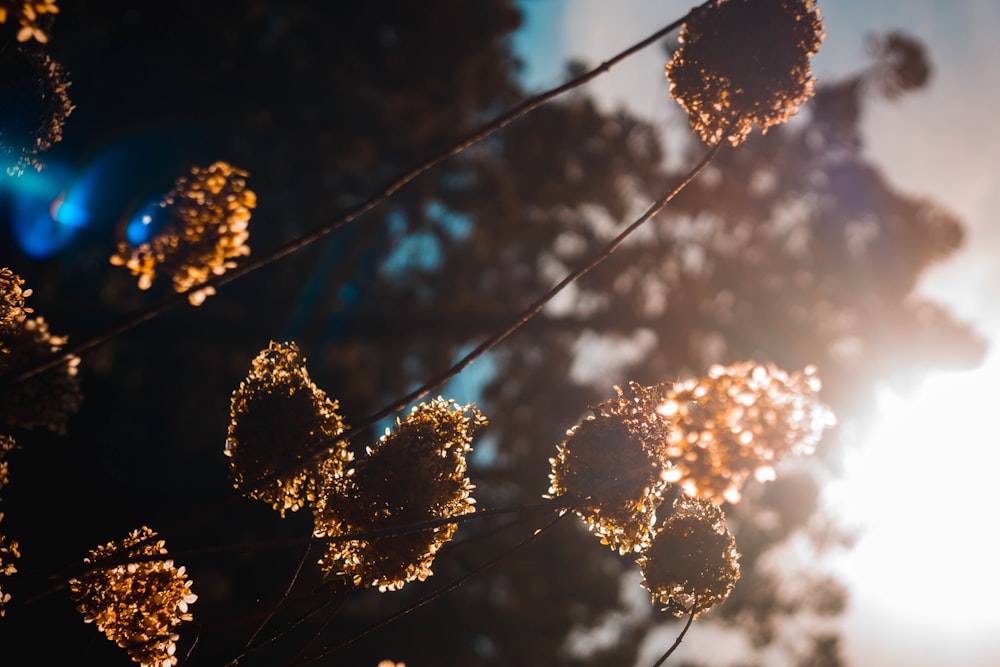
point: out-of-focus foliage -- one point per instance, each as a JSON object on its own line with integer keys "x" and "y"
{"x": 206, "y": 228}
{"x": 692, "y": 563}
{"x": 279, "y": 419}
{"x": 137, "y": 603}
{"x": 744, "y": 63}
{"x": 417, "y": 472}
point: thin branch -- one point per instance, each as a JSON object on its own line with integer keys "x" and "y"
{"x": 431, "y": 596}
{"x": 19, "y": 376}
{"x": 522, "y": 318}
{"x": 680, "y": 638}
{"x": 281, "y": 599}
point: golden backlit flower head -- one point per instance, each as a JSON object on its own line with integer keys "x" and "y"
{"x": 692, "y": 563}
{"x": 744, "y": 62}
{"x": 279, "y": 420}
{"x": 138, "y": 603}
{"x": 415, "y": 473}
{"x": 737, "y": 422}
{"x": 31, "y": 15}
{"x": 13, "y": 312}
{"x": 610, "y": 467}
{"x": 34, "y": 106}
{"x": 207, "y": 214}
{"x": 48, "y": 399}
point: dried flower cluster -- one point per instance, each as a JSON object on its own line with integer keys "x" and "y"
{"x": 279, "y": 420}
{"x": 207, "y": 214}
{"x": 704, "y": 437}
{"x": 49, "y": 398}
{"x": 34, "y": 106}
{"x": 28, "y": 13}
{"x": 610, "y": 466}
{"x": 737, "y": 422}
{"x": 744, "y": 62}
{"x": 8, "y": 548}
{"x": 138, "y": 603}
{"x": 692, "y": 563}
{"x": 415, "y": 473}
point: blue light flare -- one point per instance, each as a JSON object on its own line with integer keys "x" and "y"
{"x": 47, "y": 210}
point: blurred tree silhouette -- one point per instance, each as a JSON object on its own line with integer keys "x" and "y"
{"x": 792, "y": 249}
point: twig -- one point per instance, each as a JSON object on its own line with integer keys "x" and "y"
{"x": 680, "y": 638}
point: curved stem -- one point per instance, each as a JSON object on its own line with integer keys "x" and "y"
{"x": 680, "y": 638}
{"x": 19, "y": 376}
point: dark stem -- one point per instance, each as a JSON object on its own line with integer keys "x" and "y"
{"x": 680, "y": 638}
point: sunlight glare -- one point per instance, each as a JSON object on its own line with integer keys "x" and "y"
{"x": 923, "y": 493}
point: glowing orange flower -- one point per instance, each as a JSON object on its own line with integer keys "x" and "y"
{"x": 738, "y": 422}
{"x": 136, "y": 604}
{"x": 207, "y": 216}
{"x": 416, "y": 473}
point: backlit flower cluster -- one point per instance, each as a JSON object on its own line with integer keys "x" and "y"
{"x": 415, "y": 473}
{"x": 28, "y": 14}
{"x": 137, "y": 600}
{"x": 699, "y": 441}
{"x": 207, "y": 214}
{"x": 279, "y": 420}
{"x": 738, "y": 422}
{"x": 49, "y": 398}
{"x": 692, "y": 563}
{"x": 34, "y": 106}
{"x": 611, "y": 465}
{"x": 744, "y": 62}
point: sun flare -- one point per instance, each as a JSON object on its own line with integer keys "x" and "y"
{"x": 922, "y": 491}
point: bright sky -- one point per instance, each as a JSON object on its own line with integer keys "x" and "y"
{"x": 923, "y": 486}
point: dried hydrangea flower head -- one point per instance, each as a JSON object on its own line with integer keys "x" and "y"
{"x": 415, "y": 473}
{"x": 207, "y": 214}
{"x": 738, "y": 422}
{"x": 50, "y": 398}
{"x": 34, "y": 106}
{"x": 280, "y": 419}
{"x": 30, "y": 14}
{"x": 692, "y": 563}
{"x": 610, "y": 466}
{"x": 744, "y": 62}
{"x": 138, "y": 603}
